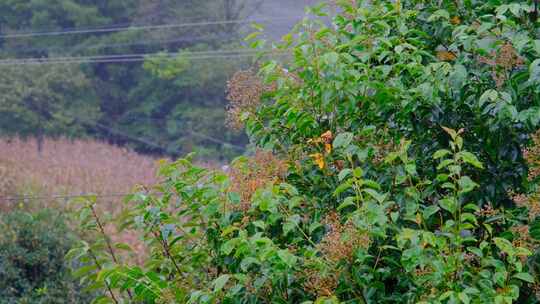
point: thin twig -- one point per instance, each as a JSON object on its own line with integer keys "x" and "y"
{"x": 98, "y": 265}
{"x": 108, "y": 242}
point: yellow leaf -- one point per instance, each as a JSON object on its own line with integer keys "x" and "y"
{"x": 328, "y": 148}
{"x": 318, "y": 159}
{"x": 446, "y": 56}
{"x": 455, "y": 20}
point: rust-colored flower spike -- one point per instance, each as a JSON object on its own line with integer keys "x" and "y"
{"x": 320, "y": 284}
{"x": 341, "y": 239}
{"x": 245, "y": 90}
{"x": 502, "y": 62}
{"x": 532, "y": 156}
{"x": 262, "y": 169}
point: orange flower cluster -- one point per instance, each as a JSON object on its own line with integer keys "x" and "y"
{"x": 342, "y": 239}
{"x": 502, "y": 62}
{"x": 262, "y": 169}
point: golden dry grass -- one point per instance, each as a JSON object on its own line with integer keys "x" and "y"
{"x": 66, "y": 167}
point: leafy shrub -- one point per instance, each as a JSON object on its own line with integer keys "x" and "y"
{"x": 32, "y": 265}
{"x": 406, "y": 70}
{"x": 401, "y": 129}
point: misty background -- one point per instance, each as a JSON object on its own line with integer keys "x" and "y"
{"x": 146, "y": 74}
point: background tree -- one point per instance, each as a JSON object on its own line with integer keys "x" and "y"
{"x": 46, "y": 101}
{"x": 134, "y": 100}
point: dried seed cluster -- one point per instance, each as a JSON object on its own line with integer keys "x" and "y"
{"x": 338, "y": 245}
{"x": 321, "y": 284}
{"x": 245, "y": 90}
{"x": 531, "y": 201}
{"x": 503, "y": 61}
{"x": 342, "y": 239}
{"x": 260, "y": 170}
{"x": 524, "y": 239}
{"x": 532, "y": 156}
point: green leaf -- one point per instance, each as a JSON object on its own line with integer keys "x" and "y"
{"x": 445, "y": 163}
{"x": 448, "y": 204}
{"x": 464, "y": 298}
{"x": 220, "y": 282}
{"x": 252, "y": 36}
{"x": 470, "y": 159}
{"x": 259, "y": 224}
{"x": 248, "y": 262}
{"x": 330, "y": 58}
{"x": 439, "y": 14}
{"x": 429, "y": 211}
{"x": 344, "y": 173}
{"x": 504, "y": 245}
{"x": 229, "y": 230}
{"x": 234, "y": 197}
{"x": 343, "y": 140}
{"x": 376, "y": 195}
{"x": 440, "y": 153}
{"x": 524, "y": 276}
{"x": 81, "y": 271}
{"x": 534, "y": 229}
{"x": 341, "y": 188}
{"x": 534, "y": 69}
{"x": 453, "y": 134}
{"x": 466, "y": 184}
{"x": 287, "y": 257}
{"x": 349, "y": 201}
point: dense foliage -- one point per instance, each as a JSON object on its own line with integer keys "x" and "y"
{"x": 397, "y": 174}
{"x": 32, "y": 265}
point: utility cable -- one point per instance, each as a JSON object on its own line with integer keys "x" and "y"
{"x": 116, "y": 56}
{"x": 68, "y": 196}
{"x": 139, "y": 28}
{"x": 136, "y": 43}
{"x": 120, "y": 60}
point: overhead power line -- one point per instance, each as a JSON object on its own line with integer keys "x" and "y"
{"x": 134, "y": 55}
{"x": 114, "y": 60}
{"x": 136, "y": 43}
{"x": 153, "y": 144}
{"x": 58, "y": 196}
{"x": 82, "y": 60}
{"x": 139, "y": 28}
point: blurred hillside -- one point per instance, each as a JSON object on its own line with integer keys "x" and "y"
{"x": 147, "y": 74}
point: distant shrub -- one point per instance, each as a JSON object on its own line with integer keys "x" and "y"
{"x": 32, "y": 265}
